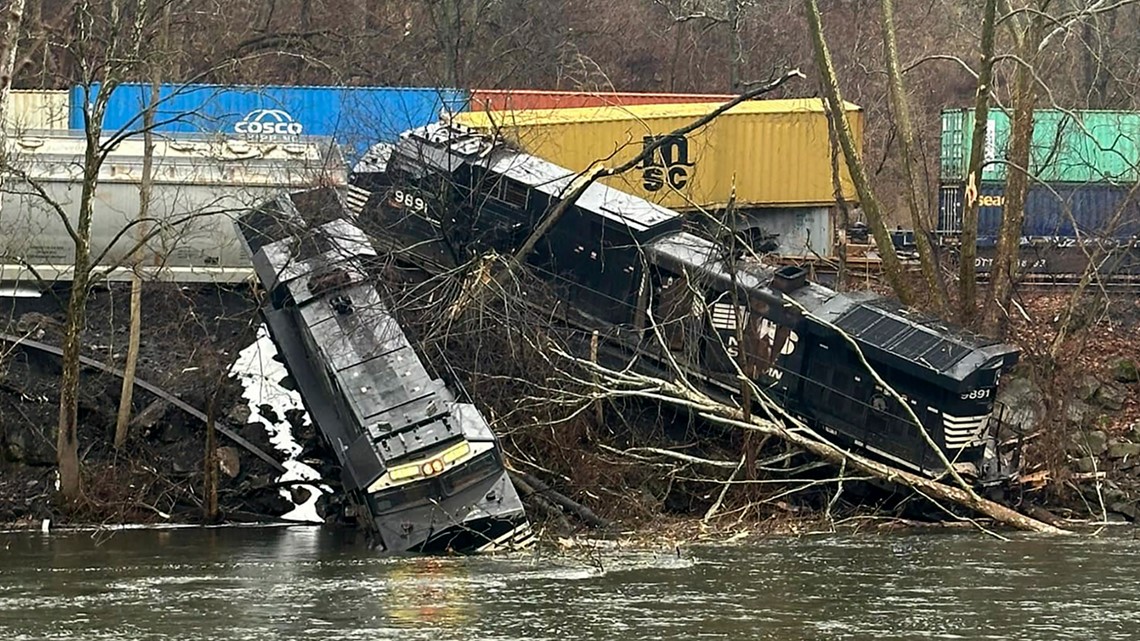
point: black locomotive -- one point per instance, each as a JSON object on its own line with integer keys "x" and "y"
{"x": 627, "y": 267}
{"x": 424, "y": 471}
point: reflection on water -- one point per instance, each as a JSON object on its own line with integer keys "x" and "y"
{"x": 227, "y": 584}
{"x": 430, "y": 591}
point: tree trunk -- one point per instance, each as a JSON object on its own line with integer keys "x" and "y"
{"x": 968, "y": 239}
{"x": 210, "y": 464}
{"x": 147, "y": 180}
{"x": 890, "y": 260}
{"x": 9, "y": 39}
{"x": 915, "y": 194}
{"x": 126, "y": 393}
{"x": 1005, "y": 265}
{"x": 67, "y": 436}
{"x": 840, "y": 207}
{"x": 735, "y": 12}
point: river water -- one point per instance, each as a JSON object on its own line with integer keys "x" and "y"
{"x": 308, "y": 583}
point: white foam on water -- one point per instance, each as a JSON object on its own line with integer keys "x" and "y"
{"x": 260, "y": 375}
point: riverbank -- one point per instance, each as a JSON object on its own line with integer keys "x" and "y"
{"x": 203, "y": 346}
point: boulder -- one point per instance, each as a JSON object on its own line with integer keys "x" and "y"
{"x": 1125, "y": 509}
{"x": 1079, "y": 413}
{"x": 228, "y": 461}
{"x": 1087, "y": 465}
{"x": 1125, "y": 370}
{"x": 1111, "y": 397}
{"x": 1087, "y": 387}
{"x": 22, "y": 442}
{"x": 1090, "y": 442}
{"x": 299, "y": 494}
{"x": 1123, "y": 450}
{"x": 238, "y": 414}
{"x": 1024, "y": 403}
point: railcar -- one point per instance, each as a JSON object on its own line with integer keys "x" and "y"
{"x": 200, "y": 184}
{"x": 424, "y": 470}
{"x": 624, "y": 265}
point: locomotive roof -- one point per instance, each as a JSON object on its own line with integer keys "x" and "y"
{"x": 882, "y": 324}
{"x": 453, "y": 145}
{"x": 379, "y": 377}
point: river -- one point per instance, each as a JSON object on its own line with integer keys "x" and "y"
{"x": 308, "y": 583}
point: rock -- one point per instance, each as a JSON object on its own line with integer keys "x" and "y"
{"x": 35, "y": 323}
{"x": 1124, "y": 450}
{"x": 238, "y": 414}
{"x": 1087, "y": 465}
{"x": 1078, "y": 413}
{"x": 1127, "y": 510}
{"x": 228, "y": 461}
{"x": 1087, "y": 387}
{"x": 150, "y": 415}
{"x": 299, "y": 494}
{"x": 1091, "y": 442}
{"x": 1125, "y": 370}
{"x": 1024, "y": 404}
{"x": 1111, "y": 397}
{"x": 29, "y": 445}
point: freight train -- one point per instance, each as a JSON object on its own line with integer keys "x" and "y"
{"x": 200, "y": 184}
{"x": 424, "y": 470}
{"x": 1082, "y": 197}
{"x": 625, "y": 266}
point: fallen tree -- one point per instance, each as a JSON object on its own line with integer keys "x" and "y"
{"x": 613, "y": 383}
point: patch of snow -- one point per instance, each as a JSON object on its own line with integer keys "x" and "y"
{"x": 261, "y": 375}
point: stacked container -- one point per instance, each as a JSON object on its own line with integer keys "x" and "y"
{"x": 771, "y": 159}
{"x": 519, "y": 99}
{"x": 36, "y": 109}
{"x": 1083, "y": 166}
{"x": 356, "y": 117}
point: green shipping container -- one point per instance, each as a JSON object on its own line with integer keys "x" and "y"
{"x": 1068, "y": 147}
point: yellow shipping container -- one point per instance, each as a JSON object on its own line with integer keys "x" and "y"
{"x": 29, "y": 109}
{"x": 776, "y": 153}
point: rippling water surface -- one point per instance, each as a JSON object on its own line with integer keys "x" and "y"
{"x": 305, "y": 583}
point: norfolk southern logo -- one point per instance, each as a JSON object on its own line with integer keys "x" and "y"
{"x": 268, "y": 122}
{"x": 668, "y": 164}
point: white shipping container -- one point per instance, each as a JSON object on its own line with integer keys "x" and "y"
{"x": 201, "y": 185}
{"x": 35, "y": 109}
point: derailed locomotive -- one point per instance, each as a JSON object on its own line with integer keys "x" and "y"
{"x": 620, "y": 264}
{"x": 424, "y": 471}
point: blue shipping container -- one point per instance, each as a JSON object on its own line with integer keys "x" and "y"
{"x": 356, "y": 117}
{"x": 1050, "y": 211}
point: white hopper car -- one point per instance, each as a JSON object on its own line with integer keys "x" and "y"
{"x": 200, "y": 185}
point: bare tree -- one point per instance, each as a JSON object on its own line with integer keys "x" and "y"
{"x": 967, "y": 270}
{"x": 870, "y": 204}
{"x": 146, "y": 185}
{"x": 13, "y": 12}
{"x": 917, "y": 200}
{"x": 110, "y": 39}
{"x": 1028, "y": 30}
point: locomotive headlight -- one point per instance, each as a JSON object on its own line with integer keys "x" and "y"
{"x": 457, "y": 452}
{"x": 404, "y": 472}
{"x": 455, "y": 455}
